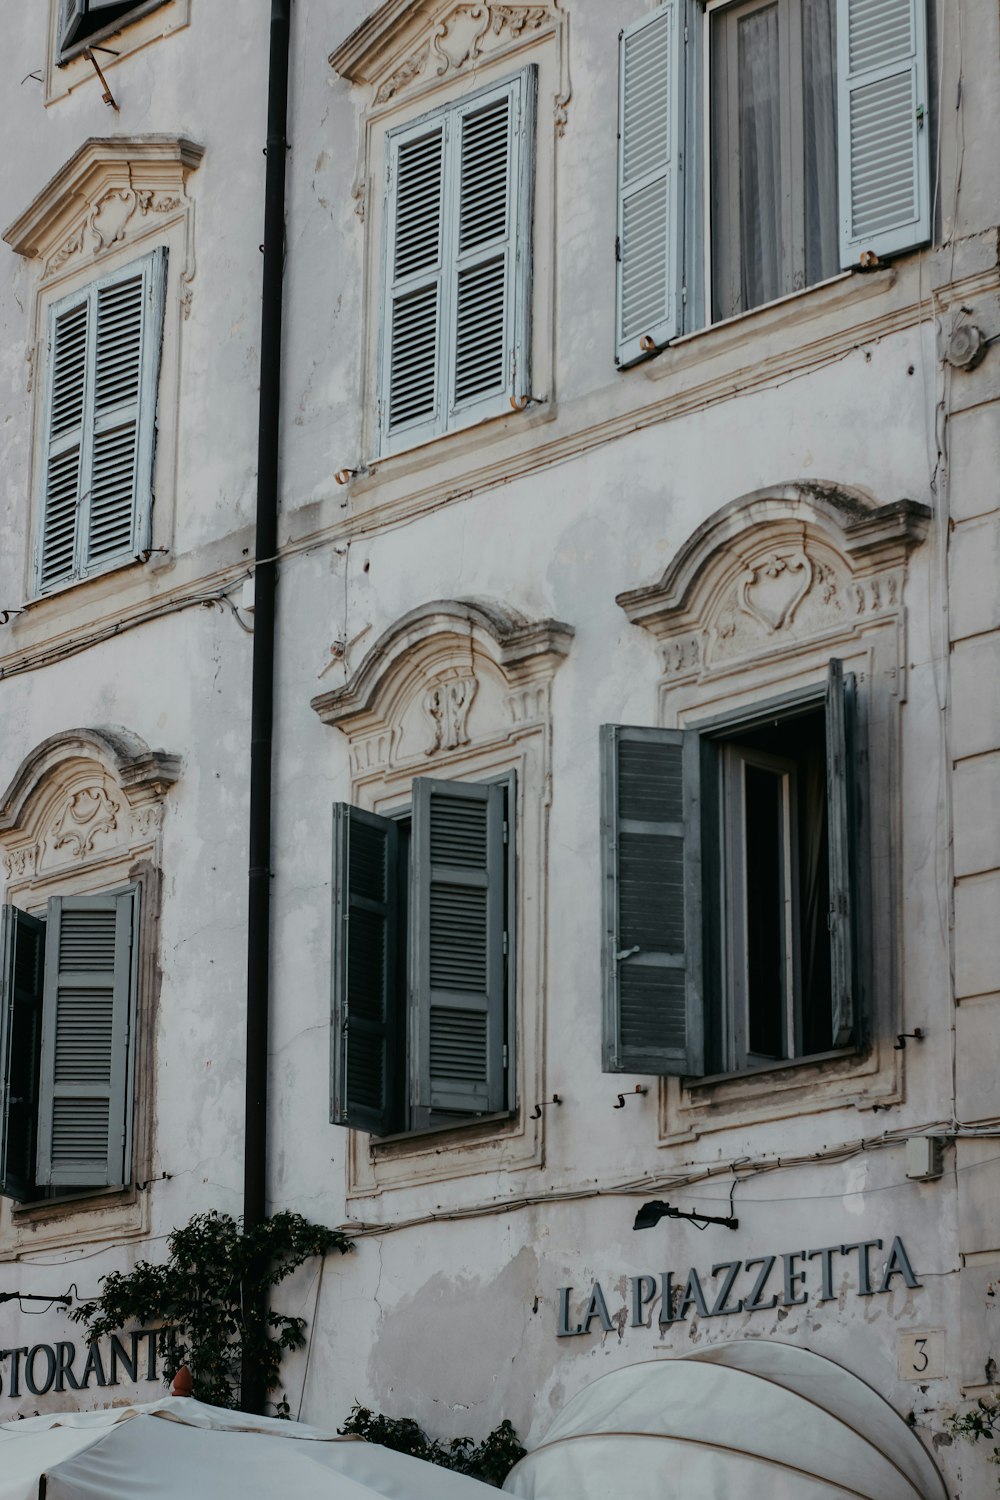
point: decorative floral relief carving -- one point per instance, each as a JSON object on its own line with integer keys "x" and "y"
{"x": 529, "y": 705}
{"x": 20, "y": 862}
{"x": 410, "y": 69}
{"x": 108, "y": 220}
{"x": 447, "y": 706}
{"x": 66, "y": 251}
{"x": 459, "y": 38}
{"x": 771, "y": 590}
{"x": 145, "y": 821}
{"x": 157, "y": 203}
{"x": 90, "y": 813}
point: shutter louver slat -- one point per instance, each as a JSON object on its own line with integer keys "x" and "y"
{"x": 89, "y": 996}
{"x": 654, "y": 1021}
{"x": 649, "y": 202}
{"x": 65, "y": 444}
{"x": 481, "y": 342}
{"x": 883, "y": 146}
{"x": 366, "y": 991}
{"x": 413, "y": 375}
{"x": 482, "y": 286}
{"x": 418, "y": 224}
{"x": 458, "y": 962}
{"x": 22, "y": 952}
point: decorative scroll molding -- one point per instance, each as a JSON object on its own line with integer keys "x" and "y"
{"x": 106, "y": 194}
{"x": 419, "y": 42}
{"x": 143, "y": 774}
{"x": 432, "y": 668}
{"x": 88, "y": 813}
{"x": 775, "y": 569}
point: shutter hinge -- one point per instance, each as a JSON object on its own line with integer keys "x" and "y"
{"x": 505, "y": 1055}
{"x": 686, "y": 35}
{"x": 618, "y": 247}
{"x": 506, "y": 945}
{"x": 921, "y": 112}
{"x": 684, "y": 294}
{"x": 506, "y": 831}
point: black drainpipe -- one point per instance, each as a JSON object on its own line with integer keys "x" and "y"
{"x": 252, "y": 1392}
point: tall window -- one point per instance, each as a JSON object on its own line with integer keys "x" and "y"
{"x": 103, "y": 357}
{"x": 732, "y": 889}
{"x": 457, "y": 264}
{"x": 791, "y": 135}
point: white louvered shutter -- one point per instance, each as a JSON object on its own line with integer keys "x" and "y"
{"x": 650, "y": 837}
{"x": 883, "y": 127}
{"x": 101, "y": 423}
{"x": 22, "y": 952}
{"x": 457, "y": 929}
{"x": 650, "y": 222}
{"x": 87, "y": 1016}
{"x": 458, "y": 261}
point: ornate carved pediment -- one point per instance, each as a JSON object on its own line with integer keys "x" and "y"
{"x": 409, "y": 43}
{"x": 81, "y": 796}
{"x": 452, "y": 674}
{"x": 108, "y": 192}
{"x": 774, "y": 569}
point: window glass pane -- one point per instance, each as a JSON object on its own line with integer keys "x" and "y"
{"x": 760, "y": 157}
{"x": 819, "y": 123}
{"x": 765, "y": 911}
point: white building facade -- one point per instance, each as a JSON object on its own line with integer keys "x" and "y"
{"x": 636, "y": 822}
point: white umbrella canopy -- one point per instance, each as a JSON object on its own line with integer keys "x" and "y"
{"x": 756, "y": 1419}
{"x": 178, "y": 1447}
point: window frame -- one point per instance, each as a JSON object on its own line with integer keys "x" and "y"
{"x": 709, "y": 957}
{"x": 448, "y": 417}
{"x": 67, "y": 51}
{"x": 152, "y": 266}
{"x": 409, "y": 899}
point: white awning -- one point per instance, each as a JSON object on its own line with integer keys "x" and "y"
{"x": 752, "y": 1419}
{"x": 178, "y": 1447}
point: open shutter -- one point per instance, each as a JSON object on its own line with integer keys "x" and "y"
{"x": 650, "y": 104}
{"x": 651, "y": 846}
{"x": 101, "y": 425}
{"x": 22, "y": 951}
{"x": 842, "y": 815}
{"x": 883, "y": 129}
{"x": 64, "y": 440}
{"x": 70, "y": 21}
{"x": 457, "y": 944}
{"x": 489, "y": 295}
{"x": 367, "y": 992}
{"x": 414, "y": 215}
{"x": 90, "y": 971}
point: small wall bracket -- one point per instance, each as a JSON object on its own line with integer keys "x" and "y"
{"x": 916, "y": 1035}
{"x": 536, "y": 1113}
{"x": 639, "y": 1089}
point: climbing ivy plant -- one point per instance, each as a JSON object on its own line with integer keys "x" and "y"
{"x": 983, "y": 1421}
{"x": 215, "y": 1269}
{"x": 491, "y": 1460}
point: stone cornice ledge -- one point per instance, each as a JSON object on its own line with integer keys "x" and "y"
{"x": 870, "y": 535}
{"x": 524, "y": 649}
{"x": 360, "y": 54}
{"x": 143, "y": 774}
{"x": 98, "y": 162}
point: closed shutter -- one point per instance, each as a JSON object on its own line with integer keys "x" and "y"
{"x": 367, "y": 987}
{"x": 90, "y": 975}
{"x": 650, "y": 827}
{"x": 22, "y": 951}
{"x": 650, "y": 228}
{"x": 457, "y": 930}
{"x": 100, "y": 426}
{"x": 457, "y": 264}
{"x": 883, "y": 129}
{"x": 842, "y": 814}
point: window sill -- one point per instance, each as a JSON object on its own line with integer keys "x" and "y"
{"x": 843, "y": 290}
{"x": 787, "y": 1066}
{"x": 442, "y": 1137}
{"x": 458, "y": 443}
{"x": 40, "y": 1210}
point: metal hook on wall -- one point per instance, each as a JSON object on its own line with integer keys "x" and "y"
{"x": 639, "y": 1089}
{"x": 536, "y": 1113}
{"x": 916, "y": 1034}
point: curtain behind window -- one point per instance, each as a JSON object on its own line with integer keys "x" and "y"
{"x": 819, "y": 123}
{"x": 761, "y": 250}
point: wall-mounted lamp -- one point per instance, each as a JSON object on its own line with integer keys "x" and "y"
{"x": 650, "y": 1215}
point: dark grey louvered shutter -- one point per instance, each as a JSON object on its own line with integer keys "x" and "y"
{"x": 651, "y": 843}
{"x": 415, "y": 204}
{"x": 87, "y": 1014}
{"x": 842, "y": 815}
{"x": 367, "y": 983}
{"x": 650, "y": 227}
{"x": 883, "y": 129}
{"x": 457, "y": 942}
{"x": 22, "y": 952}
{"x": 63, "y": 458}
{"x": 72, "y": 13}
